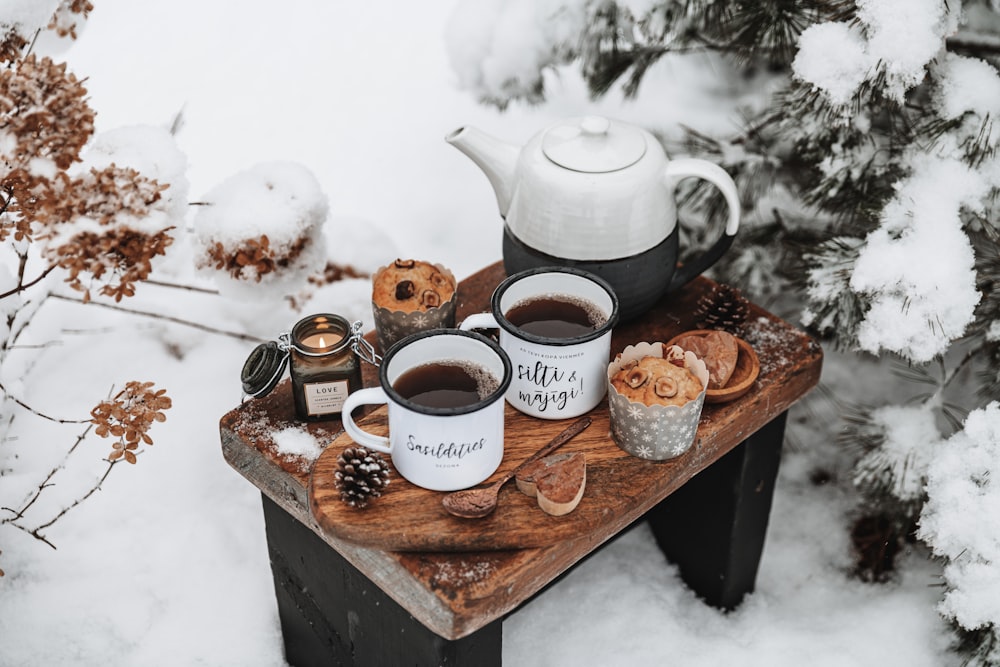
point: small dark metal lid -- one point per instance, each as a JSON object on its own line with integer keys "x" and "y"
{"x": 263, "y": 368}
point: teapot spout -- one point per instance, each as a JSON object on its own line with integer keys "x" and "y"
{"x": 496, "y": 158}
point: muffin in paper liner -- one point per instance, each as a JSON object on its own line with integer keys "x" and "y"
{"x": 392, "y": 324}
{"x": 655, "y": 432}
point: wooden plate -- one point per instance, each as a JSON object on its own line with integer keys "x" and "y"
{"x": 744, "y": 375}
{"x": 409, "y": 518}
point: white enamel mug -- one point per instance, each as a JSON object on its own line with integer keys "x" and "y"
{"x": 553, "y": 378}
{"x": 437, "y": 448}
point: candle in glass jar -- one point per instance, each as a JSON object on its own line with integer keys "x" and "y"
{"x": 324, "y": 367}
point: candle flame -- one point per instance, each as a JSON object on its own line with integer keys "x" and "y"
{"x": 322, "y": 343}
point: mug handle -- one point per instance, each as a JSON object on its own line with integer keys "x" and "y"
{"x": 717, "y": 176}
{"x": 369, "y": 396}
{"x": 479, "y": 321}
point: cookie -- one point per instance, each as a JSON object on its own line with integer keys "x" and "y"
{"x": 718, "y": 349}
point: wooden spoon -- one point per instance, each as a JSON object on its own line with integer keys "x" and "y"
{"x": 481, "y": 501}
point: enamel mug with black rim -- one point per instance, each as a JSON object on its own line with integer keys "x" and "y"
{"x": 553, "y": 377}
{"x": 438, "y": 448}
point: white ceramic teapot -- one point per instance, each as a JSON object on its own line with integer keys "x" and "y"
{"x": 597, "y": 194}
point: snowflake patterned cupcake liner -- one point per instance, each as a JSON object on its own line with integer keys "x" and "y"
{"x": 654, "y": 432}
{"x": 394, "y": 325}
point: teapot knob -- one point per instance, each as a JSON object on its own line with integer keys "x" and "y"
{"x": 595, "y": 125}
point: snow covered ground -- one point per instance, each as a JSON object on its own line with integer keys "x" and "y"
{"x": 167, "y": 564}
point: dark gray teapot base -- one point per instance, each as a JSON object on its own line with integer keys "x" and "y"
{"x": 639, "y": 281}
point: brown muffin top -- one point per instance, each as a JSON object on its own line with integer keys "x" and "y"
{"x": 409, "y": 285}
{"x": 656, "y": 381}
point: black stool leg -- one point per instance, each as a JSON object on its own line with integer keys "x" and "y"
{"x": 331, "y": 614}
{"x": 713, "y": 527}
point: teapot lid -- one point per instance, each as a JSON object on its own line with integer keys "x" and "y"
{"x": 593, "y": 144}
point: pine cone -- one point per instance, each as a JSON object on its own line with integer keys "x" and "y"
{"x": 723, "y": 308}
{"x": 360, "y": 476}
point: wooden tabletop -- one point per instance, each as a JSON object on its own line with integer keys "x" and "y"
{"x": 456, "y": 592}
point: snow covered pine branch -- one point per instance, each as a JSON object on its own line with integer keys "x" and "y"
{"x": 870, "y": 174}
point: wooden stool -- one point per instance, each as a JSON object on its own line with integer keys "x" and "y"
{"x": 354, "y": 590}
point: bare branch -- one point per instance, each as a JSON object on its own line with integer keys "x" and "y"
{"x": 36, "y": 412}
{"x": 190, "y": 288}
{"x": 37, "y": 531}
{"x": 34, "y": 534}
{"x": 168, "y": 318}
{"x": 19, "y": 514}
{"x": 23, "y": 286}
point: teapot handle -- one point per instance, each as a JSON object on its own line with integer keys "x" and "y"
{"x": 681, "y": 168}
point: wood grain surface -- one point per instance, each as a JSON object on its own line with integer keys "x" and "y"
{"x": 620, "y": 487}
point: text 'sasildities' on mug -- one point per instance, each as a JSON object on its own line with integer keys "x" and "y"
{"x": 440, "y": 437}
{"x": 556, "y": 374}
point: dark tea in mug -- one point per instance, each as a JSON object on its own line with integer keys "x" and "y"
{"x": 446, "y": 385}
{"x": 556, "y": 316}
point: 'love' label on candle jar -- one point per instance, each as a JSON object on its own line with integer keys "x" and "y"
{"x": 324, "y": 368}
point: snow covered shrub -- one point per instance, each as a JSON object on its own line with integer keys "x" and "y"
{"x": 897, "y": 467}
{"x": 66, "y": 17}
{"x": 963, "y": 503}
{"x": 260, "y": 228}
{"x": 98, "y": 224}
{"x": 870, "y": 167}
{"x": 258, "y": 236}
{"x": 93, "y": 211}
{"x": 499, "y": 48}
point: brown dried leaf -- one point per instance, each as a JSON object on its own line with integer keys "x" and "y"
{"x": 129, "y": 416}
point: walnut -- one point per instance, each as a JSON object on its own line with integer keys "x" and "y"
{"x": 430, "y": 299}
{"x": 637, "y": 377}
{"x": 665, "y": 387}
{"x": 440, "y": 281}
